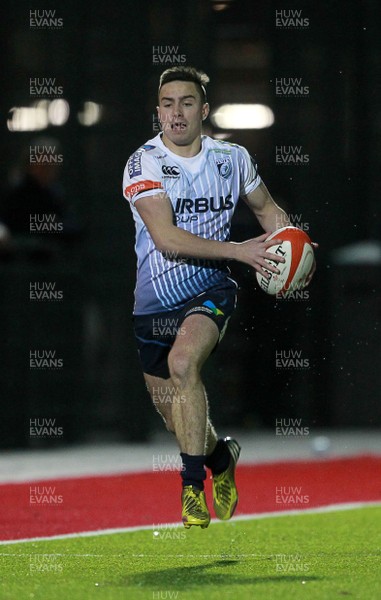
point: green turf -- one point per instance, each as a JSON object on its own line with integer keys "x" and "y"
{"x": 322, "y": 556}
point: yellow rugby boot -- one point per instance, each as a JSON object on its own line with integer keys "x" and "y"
{"x": 225, "y": 495}
{"x": 195, "y": 510}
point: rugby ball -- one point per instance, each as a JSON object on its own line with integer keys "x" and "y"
{"x": 297, "y": 250}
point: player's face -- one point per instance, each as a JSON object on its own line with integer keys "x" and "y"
{"x": 181, "y": 112}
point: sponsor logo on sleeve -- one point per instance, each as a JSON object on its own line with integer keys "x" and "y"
{"x": 135, "y": 161}
{"x": 141, "y": 186}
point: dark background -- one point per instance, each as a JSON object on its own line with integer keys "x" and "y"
{"x": 104, "y": 53}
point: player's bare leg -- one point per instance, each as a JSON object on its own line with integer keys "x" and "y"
{"x": 192, "y": 346}
{"x": 211, "y": 438}
{"x": 182, "y": 402}
{"x": 190, "y": 418}
{"x": 164, "y": 395}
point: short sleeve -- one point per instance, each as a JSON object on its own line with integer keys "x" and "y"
{"x": 142, "y": 176}
{"x": 249, "y": 178}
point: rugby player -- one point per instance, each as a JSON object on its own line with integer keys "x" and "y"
{"x": 183, "y": 188}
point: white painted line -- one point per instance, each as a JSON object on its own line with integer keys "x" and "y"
{"x": 285, "y": 513}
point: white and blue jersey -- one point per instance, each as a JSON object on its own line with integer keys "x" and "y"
{"x": 204, "y": 191}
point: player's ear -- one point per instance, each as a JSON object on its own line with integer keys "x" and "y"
{"x": 158, "y": 114}
{"x": 205, "y": 110}
{"x": 159, "y": 118}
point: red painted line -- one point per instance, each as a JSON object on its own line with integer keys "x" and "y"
{"x": 56, "y": 507}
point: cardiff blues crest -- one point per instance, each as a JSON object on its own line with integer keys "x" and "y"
{"x": 225, "y": 167}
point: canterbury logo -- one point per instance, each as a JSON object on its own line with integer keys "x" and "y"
{"x": 171, "y": 171}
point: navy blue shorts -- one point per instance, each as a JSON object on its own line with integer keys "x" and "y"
{"x": 156, "y": 333}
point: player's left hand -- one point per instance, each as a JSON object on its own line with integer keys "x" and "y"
{"x": 313, "y": 268}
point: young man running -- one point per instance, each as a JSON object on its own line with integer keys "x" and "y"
{"x": 183, "y": 188}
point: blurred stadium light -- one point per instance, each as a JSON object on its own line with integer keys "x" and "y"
{"x": 243, "y": 116}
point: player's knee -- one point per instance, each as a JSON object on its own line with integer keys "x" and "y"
{"x": 182, "y": 368}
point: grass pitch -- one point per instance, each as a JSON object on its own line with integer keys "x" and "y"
{"x": 307, "y": 556}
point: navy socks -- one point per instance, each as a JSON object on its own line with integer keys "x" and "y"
{"x": 218, "y": 460}
{"x": 193, "y": 472}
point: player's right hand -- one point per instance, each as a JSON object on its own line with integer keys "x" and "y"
{"x": 254, "y": 252}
